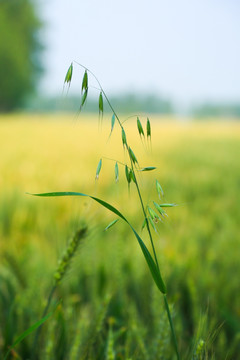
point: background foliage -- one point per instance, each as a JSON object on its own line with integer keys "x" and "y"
{"x": 19, "y": 52}
{"x": 110, "y": 309}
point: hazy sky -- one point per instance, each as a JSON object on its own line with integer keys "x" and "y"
{"x": 188, "y": 50}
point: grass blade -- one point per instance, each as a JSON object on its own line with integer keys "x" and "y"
{"x": 30, "y": 330}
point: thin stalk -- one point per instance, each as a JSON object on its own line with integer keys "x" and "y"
{"x": 172, "y": 327}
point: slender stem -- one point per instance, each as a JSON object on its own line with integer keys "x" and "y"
{"x": 172, "y": 327}
{"x": 107, "y": 158}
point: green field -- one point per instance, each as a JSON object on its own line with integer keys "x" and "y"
{"x": 110, "y": 308}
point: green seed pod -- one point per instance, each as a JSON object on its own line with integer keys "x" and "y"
{"x": 84, "y": 98}
{"x": 159, "y": 189}
{"x": 85, "y": 81}
{"x": 98, "y": 169}
{"x": 152, "y": 223}
{"x": 113, "y": 122}
{"x": 144, "y": 223}
{"x": 148, "y": 168}
{"x": 140, "y": 128}
{"x": 124, "y": 138}
{"x": 159, "y": 209}
{"x": 148, "y": 129}
{"x": 132, "y": 156}
{"x": 168, "y": 205}
{"x": 116, "y": 172}
{"x": 127, "y": 173}
{"x": 100, "y": 104}
{"x": 154, "y": 216}
{"x": 68, "y": 76}
{"x": 132, "y": 176}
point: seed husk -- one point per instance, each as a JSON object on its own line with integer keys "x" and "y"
{"x": 85, "y": 81}
{"x": 68, "y": 76}
{"x": 148, "y": 129}
{"x": 98, "y": 169}
{"x": 116, "y": 172}
{"x": 139, "y": 126}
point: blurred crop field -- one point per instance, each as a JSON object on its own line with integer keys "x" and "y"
{"x": 110, "y": 308}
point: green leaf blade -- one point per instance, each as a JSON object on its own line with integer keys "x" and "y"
{"x": 150, "y": 262}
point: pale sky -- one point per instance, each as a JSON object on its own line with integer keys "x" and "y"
{"x": 188, "y": 50}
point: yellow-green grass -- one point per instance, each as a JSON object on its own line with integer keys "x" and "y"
{"x": 198, "y": 246}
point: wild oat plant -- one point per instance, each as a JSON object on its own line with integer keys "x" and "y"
{"x": 152, "y": 214}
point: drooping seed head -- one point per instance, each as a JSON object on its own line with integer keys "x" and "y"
{"x": 127, "y": 173}
{"x": 153, "y": 215}
{"x": 159, "y": 209}
{"x": 152, "y": 223}
{"x": 140, "y": 128}
{"x": 132, "y": 176}
{"x": 68, "y": 76}
{"x": 124, "y": 138}
{"x": 113, "y": 122}
{"x": 144, "y": 223}
{"x": 116, "y": 172}
{"x": 98, "y": 169}
{"x": 132, "y": 156}
{"x": 85, "y": 81}
{"x": 148, "y": 168}
{"x": 100, "y": 104}
{"x": 159, "y": 189}
{"x": 84, "y": 98}
{"x": 148, "y": 129}
{"x": 167, "y": 205}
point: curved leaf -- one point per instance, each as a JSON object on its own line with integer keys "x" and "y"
{"x": 156, "y": 275}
